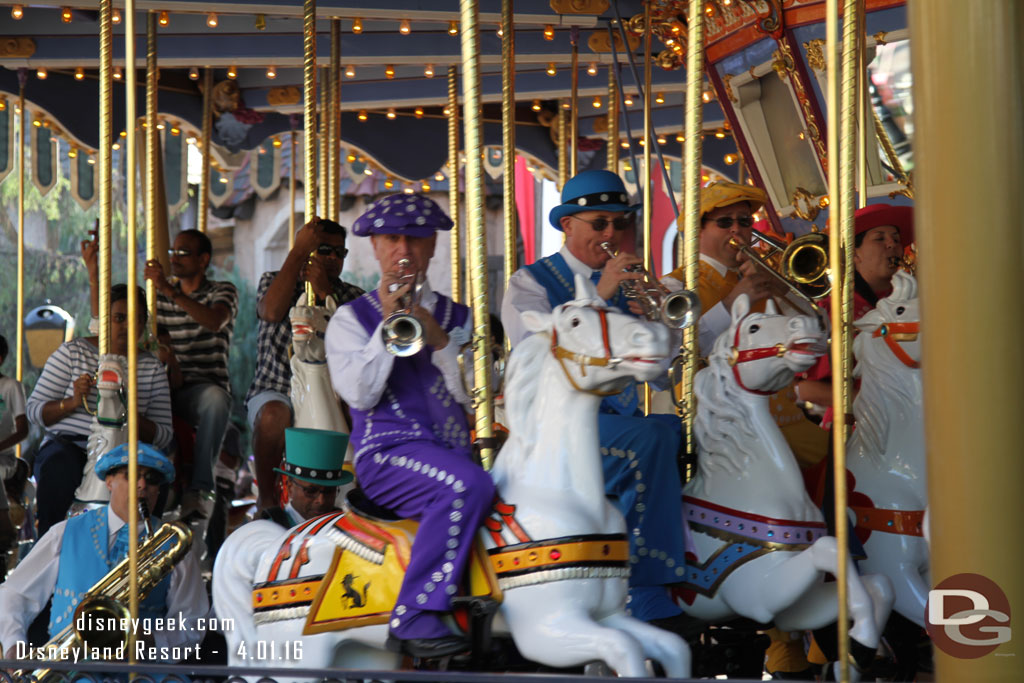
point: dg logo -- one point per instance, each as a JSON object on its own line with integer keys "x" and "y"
{"x": 968, "y": 616}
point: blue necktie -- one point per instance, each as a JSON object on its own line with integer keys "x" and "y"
{"x": 595, "y": 277}
{"x": 119, "y": 550}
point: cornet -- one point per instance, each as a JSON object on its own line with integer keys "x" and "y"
{"x": 402, "y": 332}
{"x": 677, "y": 310}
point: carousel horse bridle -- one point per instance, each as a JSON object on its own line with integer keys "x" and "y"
{"x": 737, "y": 356}
{"x": 893, "y": 334}
{"x": 563, "y": 354}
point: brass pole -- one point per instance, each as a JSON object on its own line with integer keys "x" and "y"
{"x": 890, "y": 153}
{"x": 648, "y": 143}
{"x": 324, "y": 143}
{"x": 203, "y": 201}
{"x": 508, "y": 135}
{"x": 334, "y": 129}
{"x": 574, "y": 104}
{"x": 691, "y": 200}
{"x": 19, "y": 344}
{"x": 613, "y": 122}
{"x": 563, "y": 151}
{"x": 483, "y": 398}
{"x": 152, "y": 152}
{"x": 131, "y": 201}
{"x": 291, "y": 191}
{"x": 453, "y": 182}
{"x": 309, "y": 118}
{"x": 105, "y": 159}
{"x": 955, "y": 139}
{"x": 862, "y": 110}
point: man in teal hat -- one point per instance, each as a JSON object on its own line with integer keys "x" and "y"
{"x": 73, "y": 555}
{"x": 639, "y": 453}
{"x": 313, "y": 472}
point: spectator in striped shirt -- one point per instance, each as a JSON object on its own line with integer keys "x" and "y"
{"x": 267, "y": 403}
{"x": 199, "y": 314}
{"x": 58, "y": 405}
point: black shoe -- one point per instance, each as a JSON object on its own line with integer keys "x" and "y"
{"x": 683, "y": 625}
{"x": 426, "y": 648}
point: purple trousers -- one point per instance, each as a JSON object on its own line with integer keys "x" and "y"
{"x": 449, "y": 495}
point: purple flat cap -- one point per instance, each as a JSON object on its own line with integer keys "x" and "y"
{"x": 402, "y": 214}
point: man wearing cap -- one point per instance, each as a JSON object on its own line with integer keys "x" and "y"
{"x": 74, "y": 554}
{"x": 268, "y": 403}
{"x": 313, "y": 472}
{"x": 639, "y": 454}
{"x": 409, "y": 427}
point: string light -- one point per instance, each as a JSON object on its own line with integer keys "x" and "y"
{"x": 439, "y": 177}
{"x": 391, "y": 113}
{"x": 362, "y": 115}
{"x": 211, "y": 20}
{"x": 706, "y": 96}
{"x": 428, "y": 71}
{"x": 115, "y": 16}
{"x": 388, "y": 183}
{"x": 350, "y": 71}
{"x": 389, "y": 71}
{"x": 193, "y": 74}
{"x": 117, "y": 73}
{"x": 41, "y": 73}
{"x": 445, "y": 111}
{"x": 357, "y": 26}
{"x": 37, "y": 123}
{"x": 408, "y": 189}
{"x": 624, "y": 144}
{"x": 628, "y": 100}
{"x": 72, "y": 153}
{"x": 566, "y": 104}
{"x": 425, "y": 186}
{"x": 549, "y": 32}
{"x": 117, "y": 146}
{"x": 596, "y": 103}
{"x": 405, "y": 27}
{"x": 91, "y": 160}
{"x": 730, "y": 159}
{"x": 500, "y": 32}
{"x": 65, "y": 15}
{"x": 551, "y": 69}
{"x": 164, "y": 18}
{"x": 536, "y": 105}
{"x": 680, "y": 138}
{"x": 160, "y": 126}
{"x": 122, "y": 134}
{"x": 3, "y": 104}
{"x": 720, "y": 134}
{"x": 709, "y": 9}
{"x": 232, "y": 72}
{"x": 276, "y": 141}
{"x": 175, "y": 131}
{"x": 453, "y": 28}
{"x": 592, "y": 69}
{"x": 659, "y": 98}
{"x": 367, "y": 171}
{"x": 418, "y": 112}
{"x": 662, "y": 140}
{"x": 79, "y": 74}
{"x": 17, "y": 12}
{"x": 801, "y": 135}
{"x": 350, "y": 157}
{"x": 271, "y": 72}
{"x": 643, "y": 142}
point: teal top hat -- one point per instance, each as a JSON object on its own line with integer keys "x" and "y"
{"x": 315, "y": 455}
{"x": 591, "y": 191}
{"x": 149, "y": 456}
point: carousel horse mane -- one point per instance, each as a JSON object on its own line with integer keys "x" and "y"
{"x": 885, "y": 378}
{"x": 523, "y": 380}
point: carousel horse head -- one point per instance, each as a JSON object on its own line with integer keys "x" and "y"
{"x": 889, "y": 334}
{"x": 766, "y": 349}
{"x": 309, "y": 323}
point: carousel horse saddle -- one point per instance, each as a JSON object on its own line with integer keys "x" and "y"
{"x": 361, "y": 503}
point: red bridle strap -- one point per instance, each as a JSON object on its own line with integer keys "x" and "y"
{"x": 747, "y": 355}
{"x": 563, "y": 354}
{"x": 893, "y": 334}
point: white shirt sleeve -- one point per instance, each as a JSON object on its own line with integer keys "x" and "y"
{"x": 524, "y": 293}
{"x": 712, "y": 323}
{"x": 358, "y": 362}
{"x": 23, "y": 596}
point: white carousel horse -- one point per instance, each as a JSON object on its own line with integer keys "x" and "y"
{"x": 562, "y": 606}
{"x": 109, "y": 428}
{"x": 886, "y": 453}
{"x": 760, "y": 543}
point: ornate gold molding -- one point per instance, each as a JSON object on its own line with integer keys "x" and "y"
{"x": 579, "y": 6}
{"x": 727, "y": 84}
{"x": 806, "y": 205}
{"x": 598, "y": 41}
{"x": 816, "y": 54}
{"x": 785, "y": 66}
{"x": 283, "y": 96}
{"x": 880, "y": 38}
{"x": 18, "y": 47}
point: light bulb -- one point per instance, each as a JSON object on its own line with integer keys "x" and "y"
{"x": 389, "y": 71}
{"x": 350, "y": 157}
{"x": 405, "y": 27}
{"x": 17, "y": 12}
{"x": 41, "y": 73}
{"x": 453, "y": 28}
{"x": 367, "y": 171}
{"x": 357, "y": 26}
{"x": 391, "y": 114}
{"x": 115, "y": 17}
{"x": 596, "y": 103}
{"x": 662, "y": 140}
{"x": 164, "y": 18}
{"x": 72, "y": 153}
{"x": 350, "y": 71}
{"x": 65, "y": 15}
{"x": 549, "y": 32}
{"x": 79, "y": 74}
{"x": 232, "y": 72}
{"x": 276, "y": 141}
{"x": 428, "y": 71}
{"x": 362, "y": 115}
{"x": 659, "y": 98}
{"x": 729, "y": 159}
{"x": 193, "y": 74}
{"x": 628, "y": 100}
{"x": 211, "y": 20}
{"x": 389, "y": 183}
{"x": 592, "y": 69}
{"x": 439, "y": 176}
{"x": 418, "y": 112}
{"x": 551, "y": 69}
{"x": 425, "y": 186}
{"x": 536, "y": 105}
{"x": 680, "y": 138}
{"x": 271, "y": 72}
{"x": 720, "y": 134}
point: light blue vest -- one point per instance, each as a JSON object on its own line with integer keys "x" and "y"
{"x": 83, "y": 562}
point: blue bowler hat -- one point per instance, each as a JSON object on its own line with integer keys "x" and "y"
{"x": 591, "y": 191}
{"x": 402, "y": 214}
{"x": 149, "y": 456}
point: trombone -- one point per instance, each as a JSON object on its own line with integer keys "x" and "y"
{"x": 677, "y": 310}
{"x": 402, "y": 332}
{"x": 801, "y": 266}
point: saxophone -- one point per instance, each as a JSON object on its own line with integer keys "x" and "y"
{"x": 109, "y": 597}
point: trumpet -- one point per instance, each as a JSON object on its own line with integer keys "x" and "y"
{"x": 801, "y": 266}
{"x": 402, "y": 332}
{"x": 677, "y": 310}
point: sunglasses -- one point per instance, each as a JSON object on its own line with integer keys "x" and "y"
{"x": 152, "y": 477}
{"x": 601, "y": 224}
{"x": 328, "y": 249}
{"x": 314, "y": 491}
{"x": 179, "y": 252}
{"x": 725, "y": 222}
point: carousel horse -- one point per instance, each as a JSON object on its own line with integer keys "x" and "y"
{"x": 885, "y": 453}
{"x": 759, "y": 545}
{"x": 557, "y": 553}
{"x": 109, "y": 428}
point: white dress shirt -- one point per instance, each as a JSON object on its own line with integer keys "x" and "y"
{"x": 30, "y": 585}
{"x": 360, "y": 365}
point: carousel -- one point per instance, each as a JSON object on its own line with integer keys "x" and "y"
{"x": 245, "y": 120}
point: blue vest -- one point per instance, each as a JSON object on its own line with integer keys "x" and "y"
{"x": 416, "y": 404}
{"x": 558, "y": 280}
{"x": 83, "y": 561}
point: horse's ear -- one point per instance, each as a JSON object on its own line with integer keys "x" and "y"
{"x": 331, "y": 305}
{"x": 536, "y": 321}
{"x": 904, "y": 286}
{"x": 770, "y": 308}
{"x": 740, "y": 308}
{"x": 585, "y": 289}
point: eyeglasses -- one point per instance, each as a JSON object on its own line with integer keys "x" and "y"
{"x": 314, "y": 491}
{"x": 152, "y": 477}
{"x": 601, "y": 224}
{"x": 328, "y": 249}
{"x": 179, "y": 252}
{"x": 725, "y": 222}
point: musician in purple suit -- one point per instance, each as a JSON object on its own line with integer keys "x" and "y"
{"x": 409, "y": 426}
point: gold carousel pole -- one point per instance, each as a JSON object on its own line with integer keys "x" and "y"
{"x": 152, "y": 152}
{"x": 334, "y": 126}
{"x": 131, "y": 201}
{"x": 970, "y": 162}
{"x": 483, "y": 398}
{"x": 105, "y": 159}
{"x": 324, "y": 143}
{"x": 613, "y": 122}
{"x": 563, "y": 151}
{"x": 19, "y": 344}
{"x": 291, "y": 191}
{"x": 648, "y": 143}
{"x": 453, "y": 182}
{"x": 508, "y": 134}
{"x": 862, "y": 110}
{"x": 202, "y": 201}
{"x": 309, "y": 117}
{"x": 574, "y": 104}
{"x": 690, "y": 239}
